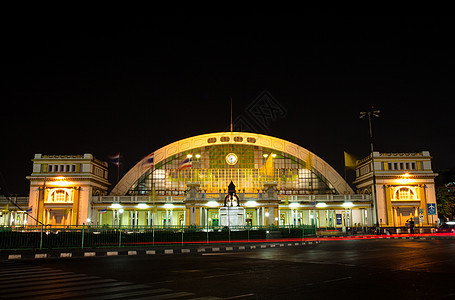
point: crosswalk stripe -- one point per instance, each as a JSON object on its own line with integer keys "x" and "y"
{"x": 37, "y": 275}
{"x": 207, "y": 298}
{"x": 19, "y": 280}
{"x": 44, "y": 280}
{"x": 35, "y": 272}
{"x": 107, "y": 294}
{"x": 167, "y": 296}
{"x": 143, "y": 292}
{"x": 19, "y": 269}
{"x": 102, "y": 283}
{"x": 50, "y": 285}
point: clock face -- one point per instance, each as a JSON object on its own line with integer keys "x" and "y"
{"x": 231, "y": 159}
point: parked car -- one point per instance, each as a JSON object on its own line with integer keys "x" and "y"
{"x": 447, "y": 227}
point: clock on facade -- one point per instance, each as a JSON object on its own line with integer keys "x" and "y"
{"x": 231, "y": 158}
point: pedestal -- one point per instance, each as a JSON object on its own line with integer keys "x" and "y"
{"x": 232, "y": 216}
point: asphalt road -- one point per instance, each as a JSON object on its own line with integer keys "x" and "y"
{"x": 352, "y": 269}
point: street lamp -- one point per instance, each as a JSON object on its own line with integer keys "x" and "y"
{"x": 363, "y": 114}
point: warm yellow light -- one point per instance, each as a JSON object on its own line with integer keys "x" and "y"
{"x": 273, "y": 154}
{"x": 189, "y": 155}
{"x": 265, "y": 155}
{"x": 405, "y": 179}
{"x": 198, "y": 156}
{"x": 60, "y": 181}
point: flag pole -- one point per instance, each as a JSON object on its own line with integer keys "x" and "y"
{"x": 345, "y": 180}
{"x": 118, "y": 168}
{"x": 231, "y": 114}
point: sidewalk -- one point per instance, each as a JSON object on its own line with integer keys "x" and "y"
{"x": 151, "y": 250}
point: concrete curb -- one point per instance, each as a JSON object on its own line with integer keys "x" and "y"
{"x": 73, "y": 253}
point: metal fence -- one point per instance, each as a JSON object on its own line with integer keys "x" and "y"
{"x": 54, "y": 237}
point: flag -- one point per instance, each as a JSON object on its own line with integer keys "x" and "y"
{"x": 115, "y": 159}
{"x": 103, "y": 211}
{"x": 148, "y": 161}
{"x": 349, "y": 161}
{"x": 186, "y": 163}
{"x": 267, "y": 167}
{"x": 29, "y": 210}
{"x": 309, "y": 161}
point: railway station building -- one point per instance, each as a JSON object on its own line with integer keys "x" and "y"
{"x": 274, "y": 182}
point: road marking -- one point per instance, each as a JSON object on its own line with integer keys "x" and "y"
{"x": 53, "y": 285}
{"x": 240, "y": 296}
{"x": 220, "y": 253}
{"x": 115, "y": 292}
{"x": 101, "y": 283}
{"x": 40, "y": 281}
{"x": 207, "y": 298}
{"x": 22, "y": 270}
{"x": 166, "y": 296}
{"x": 328, "y": 281}
{"x": 225, "y": 275}
{"x": 26, "y": 273}
{"x": 160, "y": 282}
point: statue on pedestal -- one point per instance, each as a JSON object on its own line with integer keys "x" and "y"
{"x": 231, "y": 214}
{"x": 231, "y": 198}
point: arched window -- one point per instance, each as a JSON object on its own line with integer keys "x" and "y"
{"x": 405, "y": 193}
{"x": 59, "y": 196}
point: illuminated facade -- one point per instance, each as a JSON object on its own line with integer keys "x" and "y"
{"x": 186, "y": 183}
{"x": 404, "y": 187}
{"x": 62, "y": 187}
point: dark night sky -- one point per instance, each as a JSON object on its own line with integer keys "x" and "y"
{"x": 102, "y": 85}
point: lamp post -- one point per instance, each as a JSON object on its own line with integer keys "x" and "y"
{"x": 363, "y": 114}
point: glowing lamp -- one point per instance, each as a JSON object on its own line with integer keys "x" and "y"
{"x": 251, "y": 203}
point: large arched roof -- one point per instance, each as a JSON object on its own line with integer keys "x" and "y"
{"x": 252, "y": 139}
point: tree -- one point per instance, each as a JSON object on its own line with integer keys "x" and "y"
{"x": 446, "y": 203}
